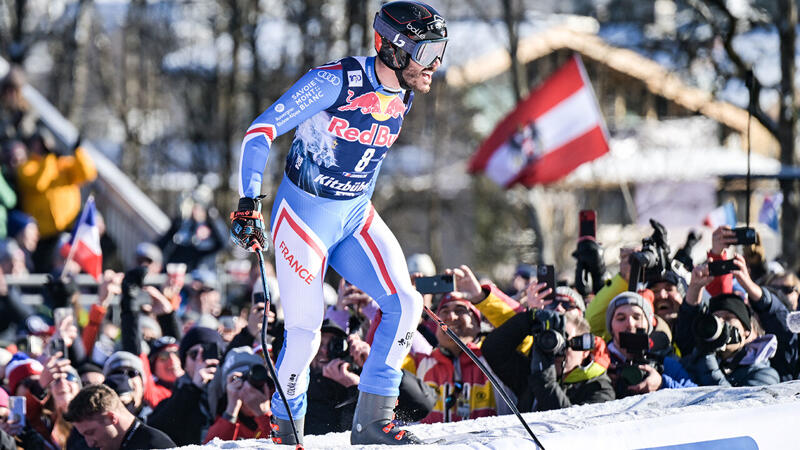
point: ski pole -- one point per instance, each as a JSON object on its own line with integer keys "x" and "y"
{"x": 495, "y": 382}
{"x": 273, "y": 373}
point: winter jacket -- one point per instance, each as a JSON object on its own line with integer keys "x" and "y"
{"x": 49, "y": 188}
{"x": 330, "y": 405}
{"x": 141, "y": 436}
{"x": 541, "y": 391}
{"x": 462, "y": 380}
{"x": 772, "y": 313}
{"x": 8, "y": 200}
{"x": 673, "y": 374}
{"x": 498, "y": 307}
{"x": 227, "y": 431}
{"x": 748, "y": 367}
{"x": 184, "y": 416}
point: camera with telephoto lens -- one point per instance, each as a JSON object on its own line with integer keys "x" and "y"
{"x": 653, "y": 258}
{"x": 556, "y": 343}
{"x": 712, "y": 334}
{"x": 257, "y": 376}
{"x": 338, "y": 347}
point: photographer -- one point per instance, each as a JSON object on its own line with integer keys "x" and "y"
{"x": 560, "y": 372}
{"x": 242, "y": 383}
{"x": 198, "y": 353}
{"x": 630, "y": 316}
{"x": 728, "y": 351}
{"x": 333, "y": 387}
{"x": 333, "y": 384}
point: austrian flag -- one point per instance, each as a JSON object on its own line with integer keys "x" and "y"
{"x": 84, "y": 245}
{"x": 550, "y": 133}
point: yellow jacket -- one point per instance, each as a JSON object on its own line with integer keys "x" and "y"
{"x": 49, "y": 188}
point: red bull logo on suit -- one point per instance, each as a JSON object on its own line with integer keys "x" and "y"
{"x": 380, "y": 106}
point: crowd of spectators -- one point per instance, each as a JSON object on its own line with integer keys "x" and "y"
{"x": 158, "y": 361}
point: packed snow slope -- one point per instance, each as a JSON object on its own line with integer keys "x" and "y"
{"x": 697, "y": 418}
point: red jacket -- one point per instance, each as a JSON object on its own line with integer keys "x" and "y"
{"x": 228, "y": 431}
{"x": 476, "y": 397}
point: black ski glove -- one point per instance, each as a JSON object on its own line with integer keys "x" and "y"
{"x": 247, "y": 225}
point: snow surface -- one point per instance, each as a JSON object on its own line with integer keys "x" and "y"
{"x": 667, "y": 417}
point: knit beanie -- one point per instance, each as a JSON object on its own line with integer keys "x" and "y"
{"x": 630, "y": 298}
{"x": 122, "y": 360}
{"x": 566, "y": 293}
{"x": 198, "y": 335}
{"x": 733, "y": 304}
{"x": 448, "y": 298}
{"x": 20, "y": 367}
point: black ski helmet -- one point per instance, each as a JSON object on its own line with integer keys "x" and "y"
{"x": 406, "y": 30}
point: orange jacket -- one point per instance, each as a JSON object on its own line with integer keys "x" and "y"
{"x": 49, "y": 189}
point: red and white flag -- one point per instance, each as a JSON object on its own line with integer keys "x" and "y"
{"x": 84, "y": 245}
{"x": 550, "y": 133}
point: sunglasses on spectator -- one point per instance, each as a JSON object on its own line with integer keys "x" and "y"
{"x": 564, "y": 304}
{"x": 786, "y": 289}
{"x": 130, "y": 373}
{"x": 166, "y": 355}
{"x": 193, "y": 353}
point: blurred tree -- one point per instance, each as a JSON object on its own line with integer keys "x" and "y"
{"x": 726, "y": 24}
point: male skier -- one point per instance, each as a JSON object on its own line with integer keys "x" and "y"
{"x": 347, "y": 114}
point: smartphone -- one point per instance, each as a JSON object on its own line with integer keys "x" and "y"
{"x": 16, "y": 405}
{"x": 57, "y": 345}
{"x": 35, "y": 345}
{"x": 745, "y": 236}
{"x": 437, "y": 284}
{"x": 721, "y": 267}
{"x": 211, "y": 351}
{"x": 547, "y": 274}
{"x": 587, "y": 223}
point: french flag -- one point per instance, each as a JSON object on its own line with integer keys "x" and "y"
{"x": 84, "y": 245}
{"x": 722, "y": 215}
{"x": 550, "y": 133}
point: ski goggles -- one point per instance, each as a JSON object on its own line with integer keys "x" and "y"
{"x": 423, "y": 53}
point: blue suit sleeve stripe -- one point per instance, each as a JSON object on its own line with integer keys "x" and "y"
{"x": 316, "y": 91}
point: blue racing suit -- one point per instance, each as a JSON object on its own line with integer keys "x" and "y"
{"x": 322, "y": 215}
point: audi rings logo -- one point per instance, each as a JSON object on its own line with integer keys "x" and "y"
{"x": 329, "y": 77}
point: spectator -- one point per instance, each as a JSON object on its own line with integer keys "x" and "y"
{"x": 188, "y": 426}
{"x": 8, "y": 200}
{"x": 90, "y": 374}
{"x": 669, "y": 289}
{"x": 62, "y": 383}
{"x": 629, "y": 312}
{"x": 246, "y": 412}
{"x": 194, "y": 237}
{"x": 522, "y": 278}
{"x": 23, "y": 375}
{"x": 12, "y": 434}
{"x": 14, "y": 154}
{"x": 49, "y": 188}
{"x": 23, "y": 229}
{"x": 165, "y": 362}
{"x": 17, "y": 119}
{"x": 128, "y": 364}
{"x": 738, "y": 357}
{"x": 547, "y": 380}
{"x": 101, "y": 418}
{"x": 203, "y": 296}
{"x": 768, "y": 303}
{"x": 463, "y": 390}
{"x": 333, "y": 384}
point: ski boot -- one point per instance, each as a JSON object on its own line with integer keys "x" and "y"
{"x": 372, "y": 422}
{"x": 282, "y": 431}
